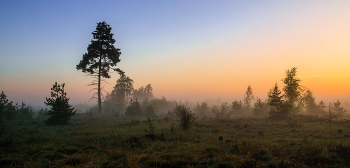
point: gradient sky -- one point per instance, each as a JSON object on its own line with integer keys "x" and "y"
{"x": 191, "y": 50}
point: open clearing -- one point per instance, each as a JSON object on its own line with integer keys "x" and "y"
{"x": 304, "y": 141}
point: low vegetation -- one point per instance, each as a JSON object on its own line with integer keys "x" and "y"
{"x": 300, "y": 141}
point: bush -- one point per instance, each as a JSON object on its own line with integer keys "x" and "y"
{"x": 10, "y": 111}
{"x": 25, "y": 112}
{"x": 134, "y": 109}
{"x": 149, "y": 110}
{"x": 185, "y": 115}
{"x": 61, "y": 111}
{"x": 202, "y": 109}
{"x": 42, "y": 113}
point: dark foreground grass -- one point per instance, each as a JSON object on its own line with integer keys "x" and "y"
{"x": 117, "y": 142}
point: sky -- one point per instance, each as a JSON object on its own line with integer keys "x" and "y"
{"x": 187, "y": 50}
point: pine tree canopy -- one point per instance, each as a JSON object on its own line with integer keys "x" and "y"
{"x": 101, "y": 55}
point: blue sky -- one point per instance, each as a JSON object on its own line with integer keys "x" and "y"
{"x": 186, "y": 49}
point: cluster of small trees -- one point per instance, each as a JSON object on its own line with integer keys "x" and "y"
{"x": 201, "y": 109}
{"x": 320, "y": 108}
{"x": 124, "y": 99}
{"x": 10, "y": 111}
{"x": 260, "y": 108}
{"x": 235, "y": 108}
{"x": 294, "y": 99}
{"x": 59, "y": 114}
{"x": 149, "y": 108}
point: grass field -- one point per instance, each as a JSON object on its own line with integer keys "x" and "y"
{"x": 303, "y": 141}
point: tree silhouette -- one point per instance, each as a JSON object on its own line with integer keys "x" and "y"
{"x": 143, "y": 93}
{"x": 123, "y": 88}
{"x": 149, "y": 111}
{"x": 3, "y": 104}
{"x": 100, "y": 58}
{"x": 236, "y": 106}
{"x": 321, "y": 106}
{"x": 279, "y": 108}
{"x": 293, "y": 90}
{"x": 248, "y": 97}
{"x": 202, "y": 109}
{"x": 311, "y": 106}
{"x": 134, "y": 109}
{"x": 339, "y": 111}
{"x": 116, "y": 101}
{"x": 258, "y": 108}
{"x": 61, "y": 110}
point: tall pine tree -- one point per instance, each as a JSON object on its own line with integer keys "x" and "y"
{"x": 100, "y": 58}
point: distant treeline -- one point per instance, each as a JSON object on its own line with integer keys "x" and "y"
{"x": 125, "y": 100}
{"x": 11, "y": 111}
{"x": 293, "y": 98}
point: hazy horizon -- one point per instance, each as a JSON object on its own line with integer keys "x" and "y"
{"x": 187, "y": 50}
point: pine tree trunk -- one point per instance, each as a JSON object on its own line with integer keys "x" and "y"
{"x": 99, "y": 88}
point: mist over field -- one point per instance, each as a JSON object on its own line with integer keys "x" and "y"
{"x": 187, "y": 50}
{"x": 241, "y": 84}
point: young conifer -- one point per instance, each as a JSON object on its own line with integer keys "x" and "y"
{"x": 61, "y": 111}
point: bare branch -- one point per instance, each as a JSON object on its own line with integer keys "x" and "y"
{"x": 92, "y": 98}
{"x": 92, "y": 90}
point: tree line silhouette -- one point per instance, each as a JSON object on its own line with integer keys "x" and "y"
{"x": 101, "y": 59}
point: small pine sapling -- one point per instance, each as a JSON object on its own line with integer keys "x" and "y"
{"x": 61, "y": 111}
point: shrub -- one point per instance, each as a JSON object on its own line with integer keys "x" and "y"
{"x": 202, "y": 109}
{"x": 43, "y": 113}
{"x": 25, "y": 112}
{"x": 134, "y": 109}
{"x": 185, "y": 115}
{"x": 237, "y": 106}
{"x": 149, "y": 110}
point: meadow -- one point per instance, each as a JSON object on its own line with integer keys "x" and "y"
{"x": 108, "y": 141}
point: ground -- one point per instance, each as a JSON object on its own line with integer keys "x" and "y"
{"x": 87, "y": 141}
